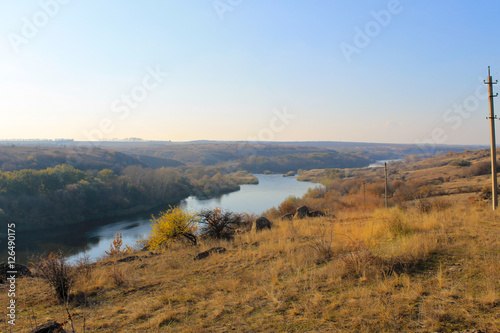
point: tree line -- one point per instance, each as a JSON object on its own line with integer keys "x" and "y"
{"x": 61, "y": 195}
{"x": 320, "y": 160}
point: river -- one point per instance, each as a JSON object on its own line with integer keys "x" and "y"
{"x": 93, "y": 241}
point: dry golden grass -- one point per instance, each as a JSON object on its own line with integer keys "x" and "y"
{"x": 362, "y": 271}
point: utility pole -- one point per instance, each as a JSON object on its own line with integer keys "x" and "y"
{"x": 492, "y": 117}
{"x": 385, "y": 166}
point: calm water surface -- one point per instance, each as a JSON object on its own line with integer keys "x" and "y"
{"x": 94, "y": 241}
{"x": 270, "y": 192}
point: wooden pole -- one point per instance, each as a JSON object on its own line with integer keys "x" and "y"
{"x": 492, "y": 117}
{"x": 386, "y": 204}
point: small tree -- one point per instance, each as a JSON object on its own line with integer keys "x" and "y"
{"x": 171, "y": 225}
{"x": 218, "y": 223}
{"x": 115, "y": 247}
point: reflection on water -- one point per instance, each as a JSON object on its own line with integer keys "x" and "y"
{"x": 94, "y": 240}
{"x": 270, "y": 192}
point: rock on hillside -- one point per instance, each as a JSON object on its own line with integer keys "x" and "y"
{"x": 262, "y": 223}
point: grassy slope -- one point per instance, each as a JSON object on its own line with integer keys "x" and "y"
{"x": 440, "y": 177}
{"x": 389, "y": 271}
{"x": 361, "y": 271}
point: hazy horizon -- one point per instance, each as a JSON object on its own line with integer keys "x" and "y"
{"x": 83, "y": 143}
{"x": 396, "y": 72}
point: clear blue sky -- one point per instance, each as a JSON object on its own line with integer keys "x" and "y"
{"x": 71, "y": 69}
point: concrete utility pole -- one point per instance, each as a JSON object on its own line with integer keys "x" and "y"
{"x": 385, "y": 166}
{"x": 492, "y": 117}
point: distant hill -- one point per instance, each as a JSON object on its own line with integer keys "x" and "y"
{"x": 38, "y": 158}
{"x": 250, "y": 156}
{"x": 210, "y": 153}
{"x": 381, "y": 151}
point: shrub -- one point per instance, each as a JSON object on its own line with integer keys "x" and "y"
{"x": 247, "y": 221}
{"x": 333, "y": 173}
{"x": 171, "y": 225}
{"x": 350, "y": 186}
{"x": 218, "y": 223}
{"x": 481, "y": 168}
{"x": 461, "y": 163}
{"x": 289, "y": 206}
{"x": 396, "y": 184}
{"x": 438, "y": 181}
{"x": 425, "y": 191}
{"x": 57, "y": 273}
{"x": 84, "y": 266}
{"x": 317, "y": 192}
{"x": 377, "y": 188}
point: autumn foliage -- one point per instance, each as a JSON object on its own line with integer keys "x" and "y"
{"x": 172, "y": 225}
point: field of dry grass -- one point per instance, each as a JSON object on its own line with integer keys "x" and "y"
{"x": 362, "y": 271}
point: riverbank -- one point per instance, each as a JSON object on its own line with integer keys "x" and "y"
{"x": 63, "y": 195}
{"x": 93, "y": 237}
